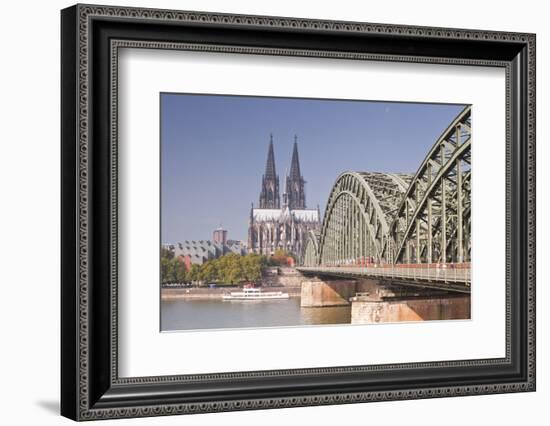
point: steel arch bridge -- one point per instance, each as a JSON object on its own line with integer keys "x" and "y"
{"x": 400, "y": 219}
{"x": 358, "y": 217}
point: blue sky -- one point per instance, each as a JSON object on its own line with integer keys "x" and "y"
{"x": 214, "y": 149}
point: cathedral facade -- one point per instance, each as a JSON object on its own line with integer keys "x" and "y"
{"x": 274, "y": 225}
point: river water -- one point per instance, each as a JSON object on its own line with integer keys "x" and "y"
{"x": 216, "y": 314}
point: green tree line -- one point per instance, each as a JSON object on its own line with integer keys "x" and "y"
{"x": 228, "y": 269}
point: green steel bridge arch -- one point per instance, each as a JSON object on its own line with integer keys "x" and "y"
{"x": 311, "y": 248}
{"x": 401, "y": 218}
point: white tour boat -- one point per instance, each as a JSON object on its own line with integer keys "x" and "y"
{"x": 255, "y": 294}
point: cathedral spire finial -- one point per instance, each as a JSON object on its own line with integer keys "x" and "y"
{"x": 269, "y": 196}
{"x": 295, "y": 162}
{"x": 295, "y": 191}
{"x": 270, "y": 164}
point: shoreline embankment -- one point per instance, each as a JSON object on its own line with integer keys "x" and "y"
{"x": 199, "y": 293}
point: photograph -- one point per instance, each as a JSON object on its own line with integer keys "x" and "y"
{"x": 281, "y": 212}
{"x": 263, "y": 209}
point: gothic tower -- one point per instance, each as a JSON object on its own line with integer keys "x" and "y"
{"x": 269, "y": 196}
{"x": 295, "y": 194}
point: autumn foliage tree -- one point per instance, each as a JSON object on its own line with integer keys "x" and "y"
{"x": 280, "y": 258}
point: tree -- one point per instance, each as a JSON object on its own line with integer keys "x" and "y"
{"x": 252, "y": 267}
{"x": 229, "y": 269}
{"x": 280, "y": 258}
{"x": 194, "y": 273}
{"x": 209, "y": 271}
{"x": 168, "y": 270}
{"x": 166, "y": 253}
{"x": 165, "y": 267}
{"x": 180, "y": 271}
{"x": 234, "y": 274}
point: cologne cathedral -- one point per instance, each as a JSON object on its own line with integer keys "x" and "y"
{"x": 275, "y": 225}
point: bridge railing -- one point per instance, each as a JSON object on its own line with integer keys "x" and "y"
{"x": 456, "y": 273}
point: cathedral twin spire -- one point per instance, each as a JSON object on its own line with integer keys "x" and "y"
{"x": 269, "y": 196}
{"x": 294, "y": 196}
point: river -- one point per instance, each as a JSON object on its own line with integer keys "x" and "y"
{"x": 216, "y": 314}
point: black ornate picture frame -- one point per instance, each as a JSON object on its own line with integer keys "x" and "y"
{"x": 90, "y": 385}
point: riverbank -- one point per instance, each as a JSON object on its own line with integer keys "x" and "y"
{"x": 195, "y": 293}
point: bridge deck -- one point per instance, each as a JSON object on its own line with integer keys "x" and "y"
{"x": 453, "y": 279}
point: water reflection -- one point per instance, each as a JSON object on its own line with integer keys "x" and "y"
{"x": 216, "y": 314}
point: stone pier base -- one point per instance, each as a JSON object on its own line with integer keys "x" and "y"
{"x": 317, "y": 293}
{"x": 414, "y": 309}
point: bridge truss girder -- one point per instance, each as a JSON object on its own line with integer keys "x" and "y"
{"x": 399, "y": 218}
{"x": 311, "y": 249}
{"x": 432, "y": 223}
{"x": 355, "y": 225}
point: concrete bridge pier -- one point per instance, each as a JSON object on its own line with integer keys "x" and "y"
{"x": 379, "y": 301}
{"x": 320, "y": 293}
{"x": 423, "y": 306}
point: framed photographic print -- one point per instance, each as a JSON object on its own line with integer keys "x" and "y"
{"x": 263, "y": 212}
